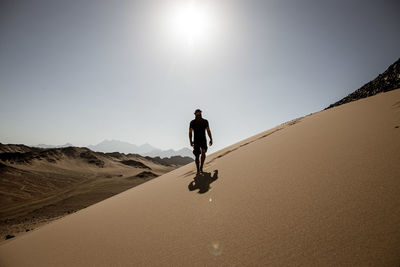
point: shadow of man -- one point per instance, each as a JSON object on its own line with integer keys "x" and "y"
{"x": 202, "y": 181}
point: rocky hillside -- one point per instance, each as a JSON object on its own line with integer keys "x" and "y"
{"x": 387, "y": 81}
{"x": 28, "y": 155}
{"x": 171, "y": 161}
{"x": 12, "y": 153}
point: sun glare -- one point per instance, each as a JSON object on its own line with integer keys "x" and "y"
{"x": 191, "y": 23}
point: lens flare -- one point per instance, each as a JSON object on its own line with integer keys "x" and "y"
{"x": 215, "y": 248}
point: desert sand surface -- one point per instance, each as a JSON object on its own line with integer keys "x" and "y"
{"x": 40, "y": 185}
{"x": 322, "y": 190}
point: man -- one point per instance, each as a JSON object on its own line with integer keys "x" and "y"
{"x": 199, "y": 127}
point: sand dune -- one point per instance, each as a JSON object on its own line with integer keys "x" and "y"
{"x": 322, "y": 190}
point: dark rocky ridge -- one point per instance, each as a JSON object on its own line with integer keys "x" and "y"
{"x": 17, "y": 148}
{"x": 135, "y": 163}
{"x": 146, "y": 174}
{"x": 387, "y": 81}
{"x": 174, "y": 160}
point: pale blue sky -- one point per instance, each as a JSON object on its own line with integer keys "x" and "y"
{"x": 85, "y": 71}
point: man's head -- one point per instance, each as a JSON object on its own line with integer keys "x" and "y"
{"x": 197, "y": 113}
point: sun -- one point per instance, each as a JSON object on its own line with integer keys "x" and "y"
{"x": 191, "y": 23}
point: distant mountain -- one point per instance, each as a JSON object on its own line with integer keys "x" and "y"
{"x": 387, "y": 81}
{"x": 107, "y": 146}
{"x": 52, "y": 146}
{"x": 146, "y": 149}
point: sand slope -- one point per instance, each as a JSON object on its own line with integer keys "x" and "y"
{"x": 322, "y": 190}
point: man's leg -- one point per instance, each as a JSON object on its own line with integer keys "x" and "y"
{"x": 203, "y": 158}
{"x": 196, "y": 152}
{"x": 197, "y": 164}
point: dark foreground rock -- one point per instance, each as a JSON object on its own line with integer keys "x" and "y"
{"x": 9, "y": 236}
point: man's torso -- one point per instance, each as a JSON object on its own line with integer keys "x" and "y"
{"x": 199, "y": 126}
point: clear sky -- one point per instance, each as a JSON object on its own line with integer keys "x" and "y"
{"x": 84, "y": 71}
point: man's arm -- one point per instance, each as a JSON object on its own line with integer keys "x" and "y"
{"x": 209, "y": 135}
{"x": 190, "y": 136}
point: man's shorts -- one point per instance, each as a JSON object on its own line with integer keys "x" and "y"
{"x": 199, "y": 144}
